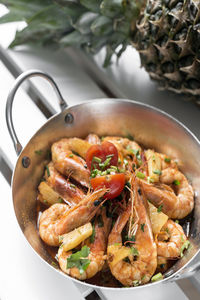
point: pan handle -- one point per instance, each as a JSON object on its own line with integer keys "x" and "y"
{"x": 188, "y": 271}
{"x": 9, "y": 120}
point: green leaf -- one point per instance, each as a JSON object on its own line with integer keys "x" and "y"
{"x": 71, "y": 8}
{"x": 78, "y": 259}
{"x": 45, "y": 27}
{"x": 83, "y": 24}
{"x": 167, "y": 159}
{"x": 142, "y": 226}
{"x": 159, "y": 209}
{"x": 101, "y": 26}
{"x": 21, "y": 10}
{"x": 91, "y": 5}
{"x": 176, "y": 182}
{"x": 75, "y": 38}
{"x": 111, "y": 8}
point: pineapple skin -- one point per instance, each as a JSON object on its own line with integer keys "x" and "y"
{"x": 167, "y": 37}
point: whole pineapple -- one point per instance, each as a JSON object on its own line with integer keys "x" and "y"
{"x": 165, "y": 32}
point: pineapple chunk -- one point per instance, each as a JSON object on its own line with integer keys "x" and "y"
{"x": 118, "y": 252}
{"x": 158, "y": 219}
{"x": 72, "y": 239}
{"x": 47, "y": 195}
{"x": 79, "y": 146}
{"x": 154, "y": 165}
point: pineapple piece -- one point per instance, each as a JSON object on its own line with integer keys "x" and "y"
{"x": 118, "y": 253}
{"x": 72, "y": 239}
{"x": 158, "y": 219}
{"x": 154, "y": 165}
{"x": 47, "y": 195}
{"x": 79, "y": 146}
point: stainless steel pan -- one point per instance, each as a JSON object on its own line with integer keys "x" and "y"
{"x": 148, "y": 125}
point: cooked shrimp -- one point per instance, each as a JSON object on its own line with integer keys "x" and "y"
{"x": 93, "y": 139}
{"x": 176, "y": 205}
{"x": 137, "y": 271}
{"x": 166, "y": 162}
{"x": 59, "y": 218}
{"x": 124, "y": 145}
{"x": 48, "y": 222}
{"x": 70, "y": 164}
{"x": 70, "y": 193}
{"x": 96, "y": 256}
{"x": 81, "y": 213}
{"x": 170, "y": 243}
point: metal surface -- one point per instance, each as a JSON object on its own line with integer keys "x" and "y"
{"x": 150, "y": 127}
{"x": 17, "y": 84}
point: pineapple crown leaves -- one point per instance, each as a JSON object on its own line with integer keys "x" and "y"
{"x": 87, "y": 24}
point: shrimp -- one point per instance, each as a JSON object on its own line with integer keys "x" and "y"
{"x": 70, "y": 193}
{"x": 138, "y": 269}
{"x": 124, "y": 145}
{"x": 48, "y": 222}
{"x": 93, "y": 139}
{"x": 176, "y": 205}
{"x": 70, "y": 164}
{"x": 96, "y": 256}
{"x": 169, "y": 244}
{"x": 60, "y": 218}
{"x": 166, "y": 162}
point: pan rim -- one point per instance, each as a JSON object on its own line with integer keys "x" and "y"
{"x": 145, "y": 106}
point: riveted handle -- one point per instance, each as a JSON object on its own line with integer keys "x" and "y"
{"x": 9, "y": 120}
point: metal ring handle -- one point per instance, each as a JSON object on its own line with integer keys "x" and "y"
{"x": 9, "y": 104}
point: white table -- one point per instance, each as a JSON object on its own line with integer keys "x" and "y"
{"x": 79, "y": 78}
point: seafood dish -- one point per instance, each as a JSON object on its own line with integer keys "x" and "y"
{"x": 112, "y": 212}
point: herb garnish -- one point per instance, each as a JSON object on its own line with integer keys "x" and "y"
{"x": 38, "y": 152}
{"x": 130, "y": 137}
{"x": 159, "y": 209}
{"x": 134, "y": 251}
{"x": 60, "y": 200}
{"x": 185, "y": 246}
{"x": 167, "y": 159}
{"x": 176, "y": 182}
{"x": 157, "y": 172}
{"x": 48, "y": 172}
{"x": 71, "y": 155}
{"x": 78, "y": 259}
{"x": 142, "y": 226}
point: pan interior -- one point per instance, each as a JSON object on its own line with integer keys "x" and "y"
{"x": 148, "y": 126}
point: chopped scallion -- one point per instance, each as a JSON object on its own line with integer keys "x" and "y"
{"x": 157, "y": 277}
{"x": 185, "y": 246}
{"x": 158, "y": 172}
{"x": 48, "y": 172}
{"x": 96, "y": 159}
{"x": 140, "y": 175}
